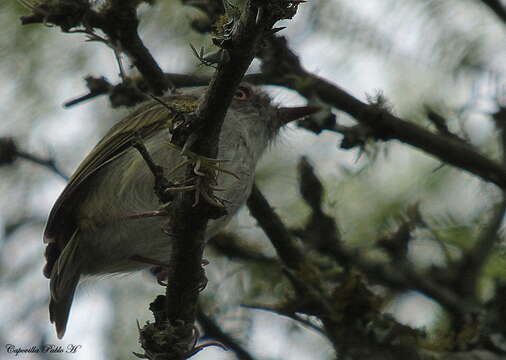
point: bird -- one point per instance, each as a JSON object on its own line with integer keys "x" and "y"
{"x": 108, "y": 218}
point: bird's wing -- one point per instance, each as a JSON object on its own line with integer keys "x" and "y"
{"x": 143, "y": 122}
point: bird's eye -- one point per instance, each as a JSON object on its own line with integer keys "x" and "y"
{"x": 243, "y": 93}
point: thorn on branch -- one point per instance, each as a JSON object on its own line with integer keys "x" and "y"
{"x": 221, "y": 56}
{"x": 275, "y": 30}
{"x": 258, "y": 18}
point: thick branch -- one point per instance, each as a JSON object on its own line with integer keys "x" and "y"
{"x": 282, "y": 67}
{"x": 118, "y": 21}
{"x": 497, "y": 8}
{"x": 187, "y": 221}
{"x": 275, "y": 230}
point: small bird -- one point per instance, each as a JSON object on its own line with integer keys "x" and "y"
{"x": 108, "y": 220}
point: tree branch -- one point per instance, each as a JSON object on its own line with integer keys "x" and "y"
{"x": 281, "y": 66}
{"x": 232, "y": 247}
{"x": 398, "y": 275}
{"x": 131, "y": 93}
{"x": 472, "y": 263}
{"x": 213, "y": 331}
{"x": 9, "y": 152}
{"x": 187, "y": 220}
{"x": 313, "y": 300}
{"x": 275, "y": 230}
{"x": 497, "y": 8}
{"x": 118, "y": 20}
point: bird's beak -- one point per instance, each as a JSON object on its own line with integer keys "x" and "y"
{"x": 288, "y": 114}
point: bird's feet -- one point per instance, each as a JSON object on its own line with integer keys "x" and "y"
{"x": 204, "y": 177}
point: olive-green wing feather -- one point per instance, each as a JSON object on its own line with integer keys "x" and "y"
{"x": 143, "y": 122}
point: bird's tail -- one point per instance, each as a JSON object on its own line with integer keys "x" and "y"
{"x": 64, "y": 278}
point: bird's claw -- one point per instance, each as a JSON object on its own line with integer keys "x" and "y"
{"x": 205, "y": 180}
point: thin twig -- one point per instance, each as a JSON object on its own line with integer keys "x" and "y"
{"x": 234, "y": 248}
{"x": 213, "y": 331}
{"x": 49, "y": 164}
{"x": 292, "y": 316}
